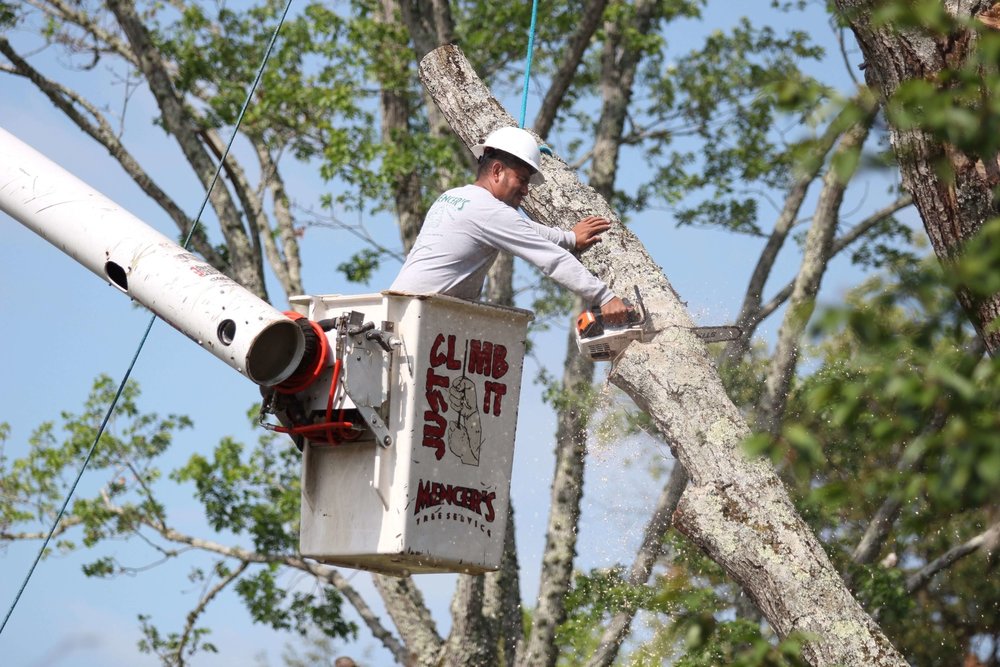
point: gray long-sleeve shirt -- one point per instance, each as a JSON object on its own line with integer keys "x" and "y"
{"x": 461, "y": 236}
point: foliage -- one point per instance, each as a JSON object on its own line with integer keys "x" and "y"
{"x": 688, "y": 619}
{"x": 730, "y": 94}
{"x": 274, "y": 604}
{"x": 902, "y": 405}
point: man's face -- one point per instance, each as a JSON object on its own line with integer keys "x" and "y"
{"x": 513, "y": 184}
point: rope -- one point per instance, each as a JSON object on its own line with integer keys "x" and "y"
{"x": 149, "y": 326}
{"x": 527, "y": 69}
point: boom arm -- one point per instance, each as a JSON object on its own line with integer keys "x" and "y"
{"x": 208, "y": 307}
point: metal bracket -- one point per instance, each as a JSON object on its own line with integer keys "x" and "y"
{"x": 367, "y": 361}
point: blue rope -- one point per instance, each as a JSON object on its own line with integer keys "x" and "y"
{"x": 149, "y": 326}
{"x": 527, "y": 69}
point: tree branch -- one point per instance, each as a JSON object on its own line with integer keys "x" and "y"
{"x": 410, "y": 615}
{"x": 576, "y": 46}
{"x": 815, "y": 260}
{"x": 988, "y": 540}
{"x": 765, "y": 263}
{"x": 244, "y": 266}
{"x": 67, "y": 100}
{"x": 840, "y": 244}
{"x": 202, "y": 604}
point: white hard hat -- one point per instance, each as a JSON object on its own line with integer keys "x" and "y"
{"x": 518, "y": 143}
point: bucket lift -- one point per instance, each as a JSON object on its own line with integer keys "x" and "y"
{"x": 404, "y": 406}
{"x": 407, "y": 430}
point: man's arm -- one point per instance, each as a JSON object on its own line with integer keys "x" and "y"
{"x": 518, "y": 236}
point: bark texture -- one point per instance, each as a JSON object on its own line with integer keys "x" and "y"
{"x": 953, "y": 207}
{"x": 735, "y": 509}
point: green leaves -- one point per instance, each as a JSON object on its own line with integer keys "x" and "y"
{"x": 255, "y": 494}
{"x": 283, "y": 608}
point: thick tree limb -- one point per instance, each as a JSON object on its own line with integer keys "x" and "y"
{"x": 953, "y": 191}
{"x": 735, "y": 509}
{"x": 412, "y": 619}
{"x": 286, "y": 261}
{"x": 244, "y": 266}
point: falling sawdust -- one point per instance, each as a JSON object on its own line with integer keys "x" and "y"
{"x": 626, "y": 468}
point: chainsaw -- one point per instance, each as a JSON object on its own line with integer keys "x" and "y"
{"x": 602, "y": 342}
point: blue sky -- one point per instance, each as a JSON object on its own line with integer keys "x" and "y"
{"x": 64, "y": 326}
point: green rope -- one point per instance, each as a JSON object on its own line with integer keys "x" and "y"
{"x": 149, "y": 326}
{"x": 527, "y": 69}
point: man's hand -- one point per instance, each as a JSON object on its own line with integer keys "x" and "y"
{"x": 615, "y": 311}
{"x": 588, "y": 231}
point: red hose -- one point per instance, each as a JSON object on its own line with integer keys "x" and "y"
{"x": 330, "y": 432}
{"x": 301, "y": 381}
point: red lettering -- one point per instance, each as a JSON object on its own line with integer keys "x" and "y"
{"x": 488, "y": 498}
{"x": 480, "y": 357}
{"x": 434, "y": 494}
{"x": 437, "y": 357}
{"x": 453, "y": 363}
{"x": 435, "y": 399}
{"x": 500, "y": 365}
{"x": 498, "y": 390}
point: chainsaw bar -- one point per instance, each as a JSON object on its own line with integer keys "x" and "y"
{"x": 717, "y": 334}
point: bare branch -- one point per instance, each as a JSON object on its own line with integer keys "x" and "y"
{"x": 988, "y": 539}
{"x": 95, "y": 125}
{"x": 285, "y": 262}
{"x": 840, "y": 244}
{"x": 64, "y": 11}
{"x": 202, "y": 604}
{"x": 65, "y": 524}
{"x": 749, "y": 311}
{"x": 323, "y": 573}
{"x": 576, "y": 46}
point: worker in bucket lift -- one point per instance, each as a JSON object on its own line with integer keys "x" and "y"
{"x": 467, "y": 226}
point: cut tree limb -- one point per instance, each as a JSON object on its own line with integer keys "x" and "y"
{"x": 734, "y": 508}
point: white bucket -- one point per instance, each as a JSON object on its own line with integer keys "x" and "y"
{"x": 436, "y": 499}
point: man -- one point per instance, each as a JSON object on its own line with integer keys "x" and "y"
{"x": 467, "y": 226}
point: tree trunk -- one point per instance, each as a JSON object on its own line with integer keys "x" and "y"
{"x": 735, "y": 509}
{"x": 953, "y": 206}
